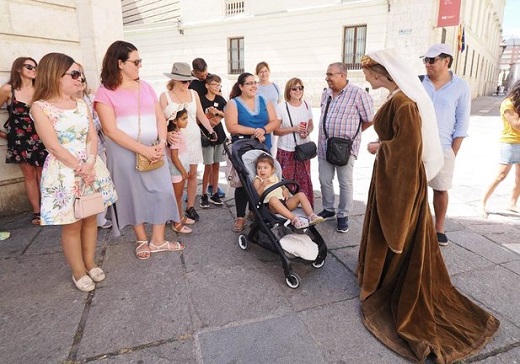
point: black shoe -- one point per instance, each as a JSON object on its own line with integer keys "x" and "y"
{"x": 327, "y": 215}
{"x": 192, "y": 214}
{"x": 342, "y": 224}
{"x": 215, "y": 199}
{"x": 204, "y": 202}
{"x": 442, "y": 239}
{"x": 221, "y": 193}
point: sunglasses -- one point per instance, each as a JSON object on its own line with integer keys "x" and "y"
{"x": 431, "y": 60}
{"x": 30, "y": 67}
{"x": 185, "y": 82}
{"x": 297, "y": 88}
{"x": 250, "y": 83}
{"x": 75, "y": 75}
{"x": 136, "y": 62}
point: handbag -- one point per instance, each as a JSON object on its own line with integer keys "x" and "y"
{"x": 338, "y": 149}
{"x": 304, "y": 151}
{"x": 232, "y": 177}
{"x": 88, "y": 205}
{"x": 143, "y": 164}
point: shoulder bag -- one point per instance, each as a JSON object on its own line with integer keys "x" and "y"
{"x": 338, "y": 149}
{"x": 304, "y": 151}
{"x": 143, "y": 164}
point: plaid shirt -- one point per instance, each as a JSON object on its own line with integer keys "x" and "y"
{"x": 346, "y": 111}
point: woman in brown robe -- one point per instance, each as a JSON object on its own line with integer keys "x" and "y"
{"x": 407, "y": 299}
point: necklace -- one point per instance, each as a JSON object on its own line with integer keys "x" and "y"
{"x": 181, "y": 101}
{"x": 391, "y": 94}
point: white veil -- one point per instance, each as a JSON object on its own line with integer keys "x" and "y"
{"x": 410, "y": 85}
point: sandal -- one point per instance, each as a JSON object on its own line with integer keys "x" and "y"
{"x": 175, "y": 246}
{"x": 36, "y": 217}
{"x": 240, "y": 223}
{"x": 187, "y": 221}
{"x": 315, "y": 219}
{"x": 298, "y": 223}
{"x": 142, "y": 253}
{"x": 179, "y": 227}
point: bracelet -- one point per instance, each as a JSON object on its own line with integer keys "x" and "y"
{"x": 91, "y": 158}
{"x": 265, "y": 131}
{"x": 162, "y": 141}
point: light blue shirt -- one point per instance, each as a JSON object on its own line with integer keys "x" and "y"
{"x": 452, "y": 103}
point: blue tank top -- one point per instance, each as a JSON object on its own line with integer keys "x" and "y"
{"x": 257, "y": 118}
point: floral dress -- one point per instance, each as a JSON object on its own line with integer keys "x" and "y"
{"x": 23, "y": 144}
{"x": 59, "y": 184}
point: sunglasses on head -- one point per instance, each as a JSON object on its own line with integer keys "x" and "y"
{"x": 297, "y": 88}
{"x": 431, "y": 60}
{"x": 136, "y": 62}
{"x": 75, "y": 75}
{"x": 30, "y": 67}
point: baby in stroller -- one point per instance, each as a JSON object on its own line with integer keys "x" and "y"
{"x": 279, "y": 200}
{"x": 275, "y": 228}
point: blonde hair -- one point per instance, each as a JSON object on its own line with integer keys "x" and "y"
{"x": 290, "y": 84}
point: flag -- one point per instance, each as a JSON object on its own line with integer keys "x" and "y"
{"x": 462, "y": 38}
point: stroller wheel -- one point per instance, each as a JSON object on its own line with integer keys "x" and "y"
{"x": 318, "y": 265}
{"x": 242, "y": 242}
{"x": 293, "y": 280}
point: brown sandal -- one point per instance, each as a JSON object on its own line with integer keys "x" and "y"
{"x": 180, "y": 228}
{"x": 240, "y": 223}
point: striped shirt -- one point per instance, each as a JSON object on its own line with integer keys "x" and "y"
{"x": 346, "y": 111}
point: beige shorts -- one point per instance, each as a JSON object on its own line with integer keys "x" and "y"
{"x": 444, "y": 179}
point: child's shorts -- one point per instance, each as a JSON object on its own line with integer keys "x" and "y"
{"x": 213, "y": 154}
{"x": 175, "y": 174}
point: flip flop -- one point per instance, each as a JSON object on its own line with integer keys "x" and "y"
{"x": 166, "y": 247}
{"x": 142, "y": 253}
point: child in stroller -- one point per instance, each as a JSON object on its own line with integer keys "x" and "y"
{"x": 279, "y": 200}
{"x": 269, "y": 230}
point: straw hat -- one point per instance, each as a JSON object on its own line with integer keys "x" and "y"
{"x": 181, "y": 71}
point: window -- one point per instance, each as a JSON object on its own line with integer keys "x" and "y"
{"x": 354, "y": 44}
{"x": 236, "y": 55}
{"x": 234, "y": 7}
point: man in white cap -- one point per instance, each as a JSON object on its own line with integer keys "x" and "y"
{"x": 451, "y": 98}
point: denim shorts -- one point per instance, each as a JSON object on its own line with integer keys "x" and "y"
{"x": 509, "y": 153}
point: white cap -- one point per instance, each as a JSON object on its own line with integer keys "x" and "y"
{"x": 437, "y": 49}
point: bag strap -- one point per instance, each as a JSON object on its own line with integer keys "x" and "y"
{"x": 329, "y": 98}
{"x": 290, "y": 120}
{"x": 138, "y": 110}
{"x": 325, "y": 118}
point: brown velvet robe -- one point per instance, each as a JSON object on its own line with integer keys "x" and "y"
{"x": 407, "y": 299}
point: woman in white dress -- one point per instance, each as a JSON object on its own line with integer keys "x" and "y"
{"x": 179, "y": 96}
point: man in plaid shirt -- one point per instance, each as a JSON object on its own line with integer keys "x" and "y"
{"x": 349, "y": 106}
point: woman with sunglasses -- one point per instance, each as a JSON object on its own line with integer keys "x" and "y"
{"x": 248, "y": 115}
{"x": 178, "y": 95}
{"x": 133, "y": 122}
{"x": 296, "y": 125}
{"x": 65, "y": 126}
{"x": 24, "y": 147}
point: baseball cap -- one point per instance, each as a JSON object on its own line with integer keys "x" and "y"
{"x": 437, "y": 49}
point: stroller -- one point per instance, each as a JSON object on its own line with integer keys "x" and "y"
{"x": 268, "y": 230}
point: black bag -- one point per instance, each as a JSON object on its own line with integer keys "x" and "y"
{"x": 305, "y": 151}
{"x": 338, "y": 149}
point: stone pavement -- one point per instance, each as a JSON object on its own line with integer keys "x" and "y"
{"x": 215, "y": 303}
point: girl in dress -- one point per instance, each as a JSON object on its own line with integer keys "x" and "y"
{"x": 65, "y": 125}
{"x": 179, "y": 162}
{"x": 24, "y": 146}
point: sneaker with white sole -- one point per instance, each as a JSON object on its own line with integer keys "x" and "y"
{"x": 215, "y": 199}
{"x": 204, "y": 201}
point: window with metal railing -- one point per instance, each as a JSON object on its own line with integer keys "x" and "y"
{"x": 354, "y": 45}
{"x": 236, "y": 55}
{"x": 234, "y": 7}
